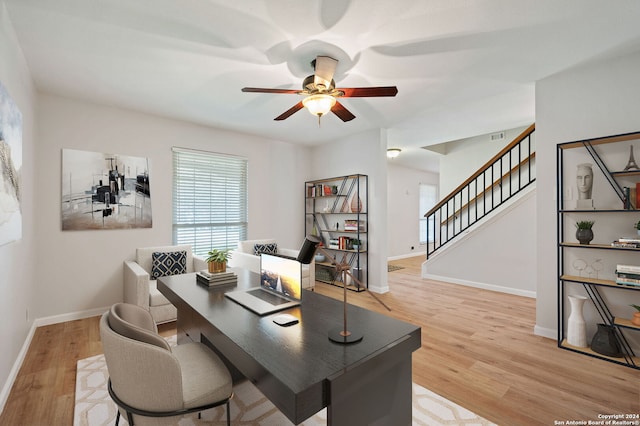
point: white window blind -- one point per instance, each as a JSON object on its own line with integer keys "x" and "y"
{"x": 428, "y": 198}
{"x": 209, "y": 200}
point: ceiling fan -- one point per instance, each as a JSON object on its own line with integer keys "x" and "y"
{"x": 321, "y": 93}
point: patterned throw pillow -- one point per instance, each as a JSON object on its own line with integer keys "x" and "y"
{"x": 272, "y": 248}
{"x": 169, "y": 263}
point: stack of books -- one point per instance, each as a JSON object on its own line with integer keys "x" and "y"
{"x": 219, "y": 278}
{"x": 353, "y": 225}
{"x": 626, "y": 242}
{"x": 628, "y": 275}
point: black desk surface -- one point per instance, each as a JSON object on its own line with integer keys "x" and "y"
{"x": 298, "y": 358}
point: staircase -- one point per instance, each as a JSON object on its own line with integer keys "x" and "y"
{"x": 500, "y": 179}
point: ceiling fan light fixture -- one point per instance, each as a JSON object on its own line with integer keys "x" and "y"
{"x": 319, "y": 104}
{"x": 393, "y": 152}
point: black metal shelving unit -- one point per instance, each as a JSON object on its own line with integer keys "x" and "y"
{"x": 594, "y": 287}
{"x": 329, "y": 206}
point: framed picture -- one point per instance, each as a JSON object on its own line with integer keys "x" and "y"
{"x": 104, "y": 191}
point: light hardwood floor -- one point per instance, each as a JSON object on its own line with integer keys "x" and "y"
{"x": 478, "y": 350}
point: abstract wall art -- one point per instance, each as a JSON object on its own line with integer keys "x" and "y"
{"x": 10, "y": 167}
{"x": 104, "y": 191}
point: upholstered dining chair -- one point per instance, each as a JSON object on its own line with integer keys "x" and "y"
{"x": 148, "y": 379}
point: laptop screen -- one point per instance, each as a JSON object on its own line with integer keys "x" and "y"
{"x": 281, "y": 274}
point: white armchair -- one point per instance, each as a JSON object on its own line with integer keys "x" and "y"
{"x": 244, "y": 257}
{"x": 140, "y": 288}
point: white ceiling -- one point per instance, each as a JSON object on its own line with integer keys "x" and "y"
{"x": 462, "y": 67}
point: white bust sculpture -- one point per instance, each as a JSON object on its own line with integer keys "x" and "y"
{"x": 584, "y": 182}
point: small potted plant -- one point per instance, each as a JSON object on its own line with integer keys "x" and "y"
{"x": 217, "y": 260}
{"x": 584, "y": 234}
{"x": 637, "y": 227}
{"x": 636, "y": 316}
{"x": 356, "y": 243}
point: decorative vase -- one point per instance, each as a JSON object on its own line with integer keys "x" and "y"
{"x": 576, "y": 326}
{"x": 584, "y": 235}
{"x": 604, "y": 341}
{"x": 347, "y": 279}
{"x": 216, "y": 267}
{"x": 635, "y": 320}
{"x": 356, "y": 204}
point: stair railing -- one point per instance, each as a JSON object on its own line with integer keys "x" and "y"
{"x": 510, "y": 171}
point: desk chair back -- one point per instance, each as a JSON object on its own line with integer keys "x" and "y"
{"x": 148, "y": 380}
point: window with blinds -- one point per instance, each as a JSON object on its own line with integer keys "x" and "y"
{"x": 209, "y": 200}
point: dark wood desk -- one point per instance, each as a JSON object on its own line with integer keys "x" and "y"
{"x": 298, "y": 368}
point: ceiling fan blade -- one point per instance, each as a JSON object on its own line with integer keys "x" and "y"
{"x": 288, "y": 113}
{"x": 325, "y": 68}
{"x": 342, "y": 113}
{"x": 259, "y": 90}
{"x": 366, "y": 92}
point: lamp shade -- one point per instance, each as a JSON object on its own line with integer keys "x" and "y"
{"x": 308, "y": 249}
{"x": 319, "y": 104}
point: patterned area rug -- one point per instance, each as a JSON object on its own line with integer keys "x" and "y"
{"x": 391, "y": 268}
{"x": 94, "y": 407}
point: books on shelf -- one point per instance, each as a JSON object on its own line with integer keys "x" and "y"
{"x": 626, "y": 243}
{"x": 628, "y": 275}
{"x": 319, "y": 190}
{"x": 219, "y": 278}
{"x": 629, "y": 239}
{"x": 353, "y": 225}
{"x": 342, "y": 243}
{"x": 630, "y": 283}
{"x": 629, "y": 269}
{"x": 631, "y": 197}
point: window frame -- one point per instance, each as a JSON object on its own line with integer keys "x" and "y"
{"x": 423, "y": 207}
{"x": 216, "y": 198}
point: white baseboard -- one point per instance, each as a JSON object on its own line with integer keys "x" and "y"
{"x": 72, "y": 316}
{"x": 39, "y": 322}
{"x": 408, "y": 255}
{"x": 492, "y": 287}
{"x": 550, "y": 333}
{"x": 379, "y": 290}
{"x": 6, "y": 389}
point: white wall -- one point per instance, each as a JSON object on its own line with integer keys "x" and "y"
{"x": 497, "y": 254}
{"x": 86, "y": 266}
{"x": 593, "y": 100}
{"x": 18, "y": 261}
{"x": 464, "y": 157}
{"x": 403, "y": 203}
{"x": 364, "y": 153}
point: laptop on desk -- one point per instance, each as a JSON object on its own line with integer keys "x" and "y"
{"x": 280, "y": 286}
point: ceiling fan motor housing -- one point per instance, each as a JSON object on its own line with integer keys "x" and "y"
{"x": 309, "y": 85}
